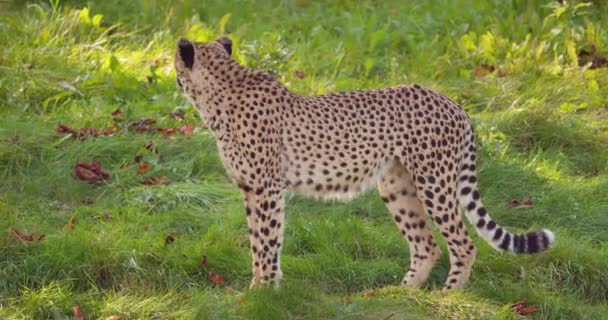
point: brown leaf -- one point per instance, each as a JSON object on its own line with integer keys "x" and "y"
{"x": 25, "y": 237}
{"x": 78, "y": 313}
{"x": 299, "y": 74}
{"x": 177, "y": 115}
{"x": 170, "y": 238}
{"x": 187, "y": 130}
{"x": 104, "y": 216}
{"x": 485, "y": 69}
{"x": 215, "y": 278}
{"x": 167, "y": 132}
{"x": 526, "y": 201}
{"x": 117, "y": 112}
{"x": 514, "y": 203}
{"x": 146, "y": 227}
{"x": 143, "y": 168}
{"x": 142, "y": 125}
{"x": 157, "y": 180}
{"x": 204, "y": 263}
{"x": 520, "y": 308}
{"x": 90, "y": 171}
{"x": 150, "y": 146}
{"x": 88, "y": 201}
{"x": 70, "y": 226}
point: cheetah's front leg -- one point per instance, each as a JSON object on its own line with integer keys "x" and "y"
{"x": 265, "y": 216}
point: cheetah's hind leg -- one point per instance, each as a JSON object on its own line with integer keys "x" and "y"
{"x": 399, "y": 194}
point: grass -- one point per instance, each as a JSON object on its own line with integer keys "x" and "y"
{"x": 541, "y": 121}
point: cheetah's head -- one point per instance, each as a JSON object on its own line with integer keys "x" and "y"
{"x": 196, "y": 62}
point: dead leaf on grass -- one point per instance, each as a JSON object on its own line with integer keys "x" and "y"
{"x": 521, "y": 308}
{"x": 25, "y": 237}
{"x": 71, "y": 223}
{"x": 177, "y": 115}
{"x": 170, "y": 238}
{"x": 104, "y": 216}
{"x": 142, "y": 125}
{"x": 299, "y": 74}
{"x": 215, "y": 278}
{"x": 92, "y": 172}
{"x": 187, "y": 130}
{"x": 117, "y": 113}
{"x": 156, "y": 180}
{"x": 144, "y": 168}
{"x": 78, "y": 313}
{"x": 204, "y": 263}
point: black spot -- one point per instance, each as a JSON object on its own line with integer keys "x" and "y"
{"x": 471, "y": 205}
{"x": 481, "y": 223}
{"x": 465, "y": 191}
{"x": 532, "y": 242}
{"x": 506, "y": 241}
{"x": 497, "y": 234}
{"x": 482, "y": 211}
{"x": 491, "y": 225}
{"x": 476, "y": 195}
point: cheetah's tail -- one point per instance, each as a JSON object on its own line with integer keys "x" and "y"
{"x": 498, "y": 237}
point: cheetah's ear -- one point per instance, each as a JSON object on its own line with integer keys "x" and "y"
{"x": 227, "y": 43}
{"x": 186, "y": 52}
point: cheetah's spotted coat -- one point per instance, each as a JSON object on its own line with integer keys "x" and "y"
{"x": 416, "y": 145}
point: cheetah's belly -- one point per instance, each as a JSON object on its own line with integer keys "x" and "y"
{"x": 334, "y": 181}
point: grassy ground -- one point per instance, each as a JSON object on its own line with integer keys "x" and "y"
{"x": 123, "y": 248}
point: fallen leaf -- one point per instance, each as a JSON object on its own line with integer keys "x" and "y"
{"x": 520, "y": 308}
{"x": 143, "y": 168}
{"x": 150, "y": 146}
{"x": 204, "y": 263}
{"x": 167, "y": 132}
{"x": 104, "y": 216}
{"x": 170, "y": 238}
{"x": 70, "y": 226}
{"x": 299, "y": 74}
{"x": 88, "y": 201}
{"x": 215, "y": 278}
{"x": 86, "y": 132}
{"x": 78, "y": 313}
{"x": 157, "y": 180}
{"x": 177, "y": 115}
{"x": 513, "y": 203}
{"x": 485, "y": 69}
{"x": 527, "y": 201}
{"x": 92, "y": 172}
{"x": 187, "y": 130}
{"x": 25, "y": 237}
{"x": 146, "y": 227}
{"x": 114, "y": 318}
{"x": 117, "y": 112}
{"x": 142, "y": 125}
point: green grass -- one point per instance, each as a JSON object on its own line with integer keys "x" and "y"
{"x": 542, "y": 129}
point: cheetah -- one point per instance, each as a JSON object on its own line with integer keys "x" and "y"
{"x": 416, "y": 145}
